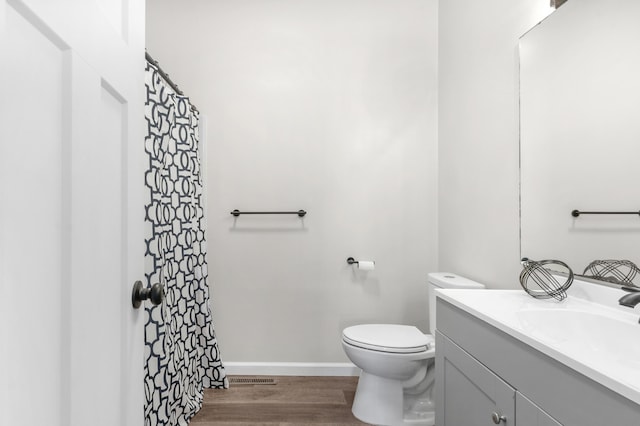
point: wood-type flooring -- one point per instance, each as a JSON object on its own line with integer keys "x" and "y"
{"x": 292, "y": 401}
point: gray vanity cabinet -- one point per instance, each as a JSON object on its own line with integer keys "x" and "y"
{"x": 471, "y": 395}
{"x": 529, "y": 414}
{"x": 485, "y": 376}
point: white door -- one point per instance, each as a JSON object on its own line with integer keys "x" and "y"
{"x": 71, "y": 212}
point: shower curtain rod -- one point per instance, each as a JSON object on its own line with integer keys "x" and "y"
{"x": 166, "y": 78}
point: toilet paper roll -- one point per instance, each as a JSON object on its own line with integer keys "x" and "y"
{"x": 366, "y": 265}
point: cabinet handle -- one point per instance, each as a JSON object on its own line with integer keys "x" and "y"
{"x": 497, "y": 418}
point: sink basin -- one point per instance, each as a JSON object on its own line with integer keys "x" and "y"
{"x": 588, "y": 331}
{"x": 584, "y": 333}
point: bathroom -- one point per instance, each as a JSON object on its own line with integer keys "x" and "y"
{"x": 332, "y": 107}
{"x": 394, "y": 124}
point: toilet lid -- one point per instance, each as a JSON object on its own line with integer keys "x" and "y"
{"x": 388, "y": 338}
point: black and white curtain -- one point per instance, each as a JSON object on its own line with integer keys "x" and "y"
{"x": 181, "y": 352}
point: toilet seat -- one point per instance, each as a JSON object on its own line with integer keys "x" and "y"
{"x": 390, "y": 338}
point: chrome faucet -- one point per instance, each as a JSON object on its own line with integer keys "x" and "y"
{"x": 632, "y": 299}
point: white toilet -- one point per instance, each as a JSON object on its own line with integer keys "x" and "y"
{"x": 397, "y": 362}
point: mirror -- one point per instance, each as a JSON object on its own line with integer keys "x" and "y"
{"x": 580, "y": 134}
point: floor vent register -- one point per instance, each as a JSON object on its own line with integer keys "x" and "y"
{"x": 236, "y": 380}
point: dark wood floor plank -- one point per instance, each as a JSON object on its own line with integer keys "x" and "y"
{"x": 298, "y": 413}
{"x": 276, "y": 395}
{"x": 353, "y": 423}
{"x": 299, "y": 401}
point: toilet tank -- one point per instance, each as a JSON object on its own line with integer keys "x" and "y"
{"x": 445, "y": 280}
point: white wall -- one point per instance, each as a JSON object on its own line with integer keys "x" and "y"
{"x": 478, "y": 136}
{"x": 327, "y": 106}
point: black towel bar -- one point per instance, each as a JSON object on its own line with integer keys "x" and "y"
{"x": 577, "y": 213}
{"x": 300, "y": 213}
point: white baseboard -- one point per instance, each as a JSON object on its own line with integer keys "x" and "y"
{"x": 291, "y": 369}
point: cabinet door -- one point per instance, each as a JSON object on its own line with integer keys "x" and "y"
{"x": 529, "y": 414}
{"x": 467, "y": 393}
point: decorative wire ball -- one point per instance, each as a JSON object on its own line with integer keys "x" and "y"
{"x": 617, "y": 271}
{"x": 539, "y": 281}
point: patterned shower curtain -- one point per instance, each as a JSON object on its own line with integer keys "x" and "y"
{"x": 181, "y": 352}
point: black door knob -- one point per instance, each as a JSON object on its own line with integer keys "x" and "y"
{"x": 155, "y": 294}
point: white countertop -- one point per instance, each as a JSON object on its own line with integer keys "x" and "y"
{"x": 588, "y": 331}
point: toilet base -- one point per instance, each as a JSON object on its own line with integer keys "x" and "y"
{"x": 379, "y": 401}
